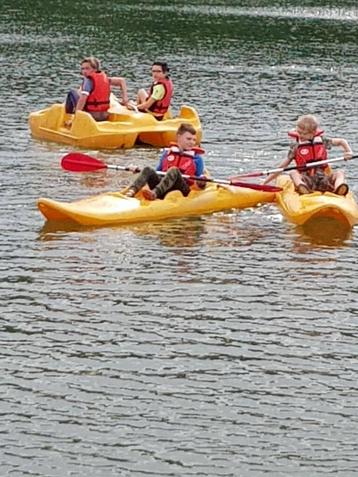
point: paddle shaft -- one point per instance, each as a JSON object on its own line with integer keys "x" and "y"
{"x": 292, "y": 168}
{"x": 161, "y": 173}
{"x": 265, "y": 188}
{"x": 306, "y": 166}
{"x": 79, "y": 162}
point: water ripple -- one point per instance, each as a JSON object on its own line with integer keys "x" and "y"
{"x": 220, "y": 345}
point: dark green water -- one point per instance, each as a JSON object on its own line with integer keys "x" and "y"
{"x": 224, "y": 345}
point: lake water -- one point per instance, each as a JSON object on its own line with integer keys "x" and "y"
{"x": 222, "y": 345}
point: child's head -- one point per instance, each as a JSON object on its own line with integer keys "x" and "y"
{"x": 186, "y": 136}
{"x": 90, "y": 65}
{"x": 160, "y": 70}
{"x": 307, "y": 126}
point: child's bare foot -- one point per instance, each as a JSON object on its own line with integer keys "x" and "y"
{"x": 149, "y": 194}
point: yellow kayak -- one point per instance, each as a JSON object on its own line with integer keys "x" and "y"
{"x": 300, "y": 209}
{"x": 123, "y": 130}
{"x": 115, "y": 208}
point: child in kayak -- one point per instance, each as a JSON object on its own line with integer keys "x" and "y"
{"x": 180, "y": 158}
{"x": 312, "y": 146}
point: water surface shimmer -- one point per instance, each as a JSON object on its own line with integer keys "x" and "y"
{"x": 217, "y": 346}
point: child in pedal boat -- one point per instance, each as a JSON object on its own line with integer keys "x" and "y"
{"x": 312, "y": 146}
{"x": 180, "y": 158}
{"x": 94, "y": 94}
{"x": 157, "y": 99}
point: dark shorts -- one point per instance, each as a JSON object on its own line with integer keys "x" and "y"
{"x": 319, "y": 182}
{"x": 71, "y": 103}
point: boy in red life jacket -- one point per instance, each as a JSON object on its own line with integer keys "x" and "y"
{"x": 180, "y": 158}
{"x": 157, "y": 100}
{"x": 312, "y": 146}
{"x": 94, "y": 94}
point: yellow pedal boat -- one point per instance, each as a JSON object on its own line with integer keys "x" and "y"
{"x": 300, "y": 209}
{"x": 115, "y": 208}
{"x": 123, "y": 130}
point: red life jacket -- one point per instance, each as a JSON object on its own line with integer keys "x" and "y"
{"x": 183, "y": 160}
{"x": 310, "y": 151}
{"x": 160, "y": 107}
{"x": 98, "y": 99}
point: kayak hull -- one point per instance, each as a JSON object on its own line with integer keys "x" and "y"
{"x": 123, "y": 130}
{"x": 115, "y": 208}
{"x": 300, "y": 209}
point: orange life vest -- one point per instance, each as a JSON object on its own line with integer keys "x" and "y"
{"x": 98, "y": 99}
{"x": 183, "y": 160}
{"x": 160, "y": 107}
{"x": 310, "y": 151}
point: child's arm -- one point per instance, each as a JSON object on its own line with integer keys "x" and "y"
{"x": 283, "y": 164}
{"x": 121, "y": 82}
{"x": 161, "y": 160}
{"x": 340, "y": 142}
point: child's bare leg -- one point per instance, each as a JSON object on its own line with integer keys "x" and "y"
{"x": 340, "y": 187}
{"x": 298, "y": 182}
{"x": 142, "y": 96}
{"x": 296, "y": 178}
{"x": 338, "y": 178}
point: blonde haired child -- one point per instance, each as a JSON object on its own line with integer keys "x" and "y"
{"x": 311, "y": 146}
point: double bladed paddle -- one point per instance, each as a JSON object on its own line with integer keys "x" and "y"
{"x": 289, "y": 168}
{"x": 79, "y": 162}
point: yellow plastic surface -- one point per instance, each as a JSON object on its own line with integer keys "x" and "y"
{"x": 300, "y": 209}
{"x": 123, "y": 130}
{"x": 115, "y": 208}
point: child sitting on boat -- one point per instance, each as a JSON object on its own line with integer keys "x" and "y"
{"x": 157, "y": 99}
{"x": 311, "y": 146}
{"x": 94, "y": 94}
{"x": 180, "y": 158}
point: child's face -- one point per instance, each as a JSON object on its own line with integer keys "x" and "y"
{"x": 186, "y": 141}
{"x": 305, "y": 134}
{"x": 87, "y": 69}
{"x": 157, "y": 73}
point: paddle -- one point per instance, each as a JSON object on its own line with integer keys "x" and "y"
{"x": 290, "y": 168}
{"x": 79, "y": 162}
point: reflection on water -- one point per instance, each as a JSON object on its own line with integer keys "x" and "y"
{"x": 180, "y": 233}
{"x": 55, "y": 230}
{"x": 232, "y": 229}
{"x": 325, "y": 232}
